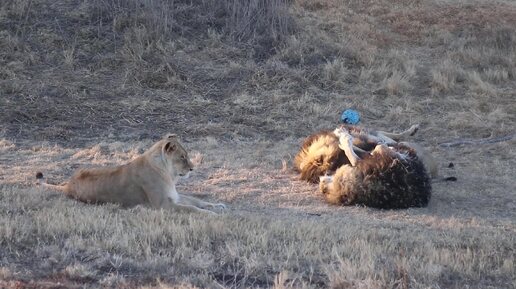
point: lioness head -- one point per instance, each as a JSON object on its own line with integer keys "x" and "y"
{"x": 173, "y": 156}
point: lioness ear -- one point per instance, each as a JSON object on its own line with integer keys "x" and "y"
{"x": 170, "y": 147}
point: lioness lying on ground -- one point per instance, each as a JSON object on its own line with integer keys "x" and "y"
{"x": 150, "y": 179}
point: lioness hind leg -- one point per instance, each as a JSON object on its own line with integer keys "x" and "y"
{"x": 191, "y": 201}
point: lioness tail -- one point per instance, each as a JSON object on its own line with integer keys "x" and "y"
{"x": 41, "y": 181}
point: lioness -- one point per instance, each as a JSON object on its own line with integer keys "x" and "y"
{"x": 150, "y": 179}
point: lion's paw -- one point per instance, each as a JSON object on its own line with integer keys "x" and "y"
{"x": 340, "y": 131}
{"x": 220, "y": 206}
{"x": 413, "y": 129}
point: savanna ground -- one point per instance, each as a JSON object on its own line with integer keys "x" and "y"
{"x": 86, "y": 83}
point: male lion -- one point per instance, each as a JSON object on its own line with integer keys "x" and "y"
{"x": 391, "y": 177}
{"x": 322, "y": 154}
{"x": 150, "y": 179}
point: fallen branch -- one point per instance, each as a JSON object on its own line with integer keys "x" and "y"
{"x": 477, "y": 141}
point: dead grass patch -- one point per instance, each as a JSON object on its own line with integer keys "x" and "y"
{"x": 277, "y": 230}
{"x": 418, "y": 19}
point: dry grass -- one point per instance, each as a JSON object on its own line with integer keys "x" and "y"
{"x": 276, "y": 226}
{"x": 94, "y": 82}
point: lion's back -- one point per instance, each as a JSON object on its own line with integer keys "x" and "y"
{"x": 105, "y": 185}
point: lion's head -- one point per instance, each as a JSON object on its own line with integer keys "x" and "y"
{"x": 170, "y": 154}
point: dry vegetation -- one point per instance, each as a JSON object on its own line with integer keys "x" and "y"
{"x": 95, "y": 82}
